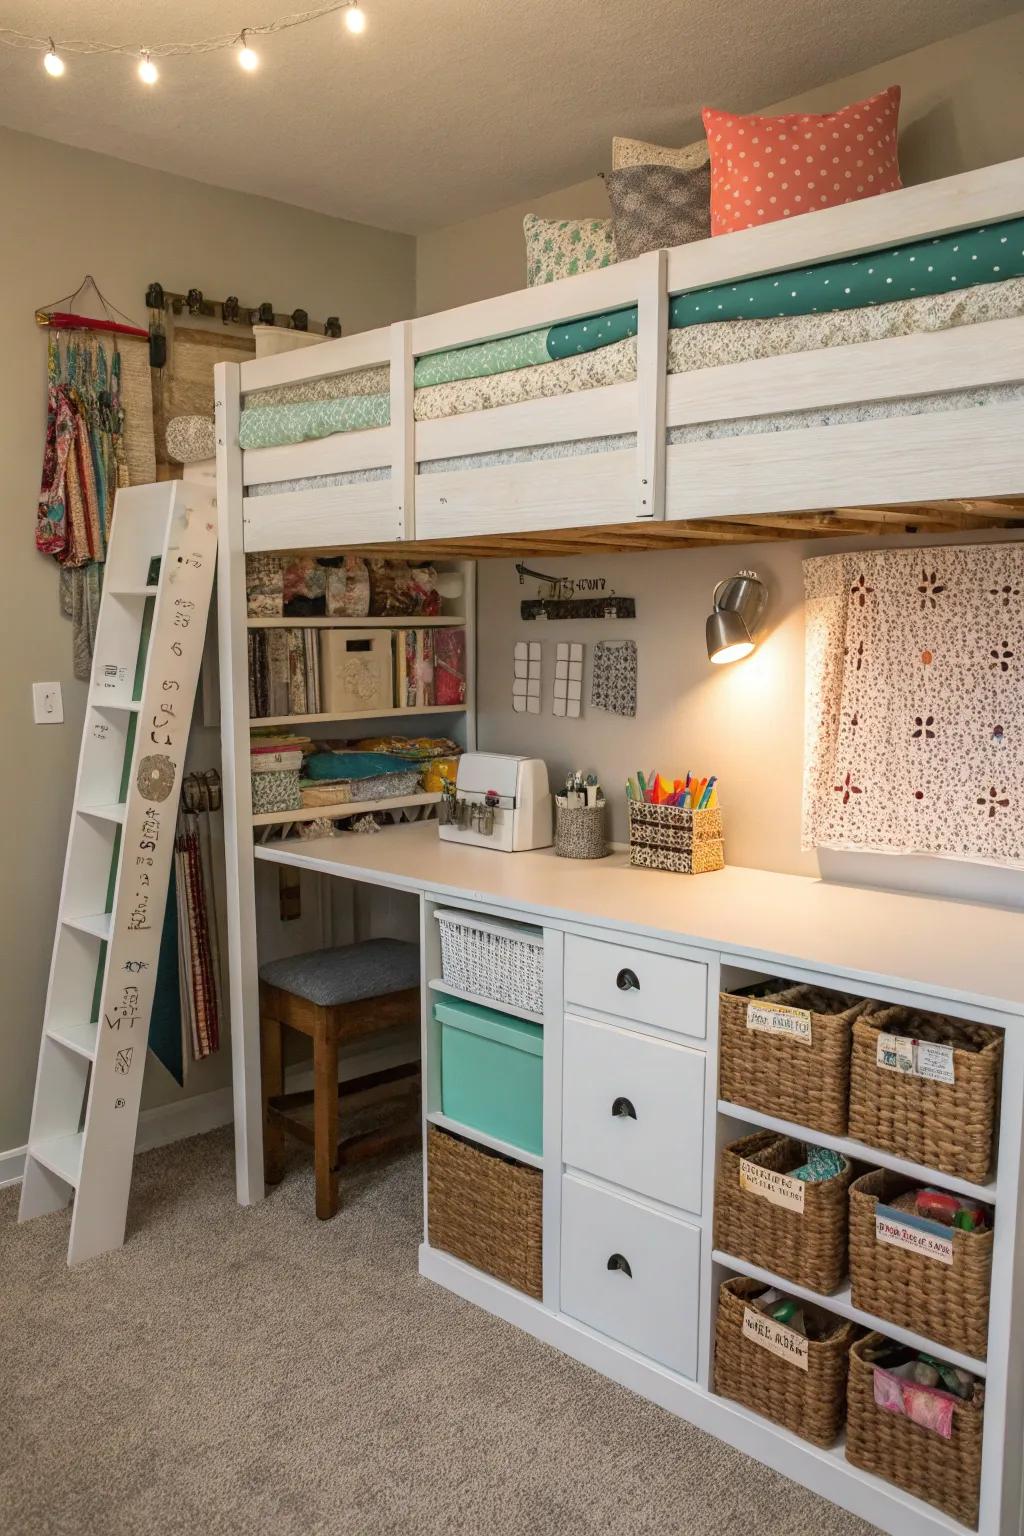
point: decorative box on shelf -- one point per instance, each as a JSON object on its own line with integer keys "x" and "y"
{"x": 686, "y": 842}
{"x": 356, "y": 670}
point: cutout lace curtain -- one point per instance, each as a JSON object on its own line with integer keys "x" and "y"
{"x": 914, "y": 710}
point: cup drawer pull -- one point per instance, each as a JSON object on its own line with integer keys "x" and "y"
{"x": 617, "y": 1261}
{"x": 627, "y": 980}
{"x": 623, "y": 1109}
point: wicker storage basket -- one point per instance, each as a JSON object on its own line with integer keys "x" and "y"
{"x": 485, "y": 1210}
{"x": 811, "y": 1402}
{"x": 797, "y": 1068}
{"x": 667, "y": 837}
{"x": 946, "y": 1473}
{"x": 807, "y": 1245}
{"x": 579, "y": 831}
{"x": 945, "y": 1125}
{"x": 944, "y": 1302}
{"x": 493, "y": 959}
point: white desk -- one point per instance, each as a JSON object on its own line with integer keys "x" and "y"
{"x": 704, "y": 932}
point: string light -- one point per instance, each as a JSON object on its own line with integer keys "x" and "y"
{"x": 52, "y": 61}
{"x": 353, "y": 14}
{"x": 247, "y": 57}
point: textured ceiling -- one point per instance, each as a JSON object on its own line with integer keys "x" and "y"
{"x": 443, "y": 109}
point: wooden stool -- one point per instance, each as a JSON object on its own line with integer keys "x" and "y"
{"x": 336, "y": 995}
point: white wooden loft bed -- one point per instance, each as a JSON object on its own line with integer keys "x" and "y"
{"x": 939, "y": 470}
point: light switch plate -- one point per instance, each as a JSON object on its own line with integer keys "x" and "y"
{"x": 47, "y": 704}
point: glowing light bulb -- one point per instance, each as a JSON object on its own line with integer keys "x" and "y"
{"x": 248, "y": 58}
{"x": 52, "y": 61}
{"x": 148, "y": 72}
{"x": 355, "y": 17}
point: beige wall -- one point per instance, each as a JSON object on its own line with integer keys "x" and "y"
{"x": 67, "y": 212}
{"x": 962, "y": 107}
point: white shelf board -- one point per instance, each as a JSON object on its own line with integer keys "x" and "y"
{"x": 97, "y": 924}
{"x": 76, "y": 1036}
{"x": 344, "y": 808}
{"x": 506, "y": 1148}
{"x": 861, "y": 1153}
{"x": 113, "y": 701}
{"x": 359, "y": 714}
{"x": 104, "y": 812}
{"x": 61, "y": 1154}
{"x": 839, "y": 1302}
{"x": 410, "y": 621}
{"x": 437, "y": 985}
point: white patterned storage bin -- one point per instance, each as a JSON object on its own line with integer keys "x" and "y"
{"x": 494, "y": 959}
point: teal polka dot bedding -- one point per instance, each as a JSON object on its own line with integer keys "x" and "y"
{"x": 898, "y": 276}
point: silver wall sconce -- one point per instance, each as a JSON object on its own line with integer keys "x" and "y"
{"x": 732, "y": 628}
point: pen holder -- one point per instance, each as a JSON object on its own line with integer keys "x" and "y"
{"x": 667, "y": 837}
{"x": 580, "y": 831}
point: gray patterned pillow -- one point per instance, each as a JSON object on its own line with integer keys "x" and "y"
{"x": 659, "y": 205}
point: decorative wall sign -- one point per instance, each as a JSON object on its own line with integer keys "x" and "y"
{"x": 573, "y": 597}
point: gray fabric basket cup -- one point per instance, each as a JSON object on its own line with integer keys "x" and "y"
{"x": 580, "y": 831}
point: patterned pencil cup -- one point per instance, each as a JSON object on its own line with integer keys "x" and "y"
{"x": 580, "y": 831}
{"x": 668, "y": 837}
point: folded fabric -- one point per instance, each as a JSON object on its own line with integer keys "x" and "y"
{"x": 353, "y": 765}
{"x": 273, "y": 426}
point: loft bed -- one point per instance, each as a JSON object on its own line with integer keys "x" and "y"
{"x": 920, "y": 425}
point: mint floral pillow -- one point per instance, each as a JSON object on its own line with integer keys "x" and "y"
{"x": 562, "y": 247}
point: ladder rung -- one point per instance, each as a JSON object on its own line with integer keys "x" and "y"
{"x": 104, "y": 701}
{"x": 62, "y": 1155}
{"x": 77, "y": 1037}
{"x": 98, "y": 924}
{"x": 104, "y": 812}
{"x": 134, "y": 591}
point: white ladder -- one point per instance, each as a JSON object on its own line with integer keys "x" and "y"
{"x": 148, "y": 650}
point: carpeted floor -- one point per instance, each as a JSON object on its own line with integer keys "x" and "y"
{"x": 254, "y": 1371}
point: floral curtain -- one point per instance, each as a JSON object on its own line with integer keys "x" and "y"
{"x": 914, "y": 722}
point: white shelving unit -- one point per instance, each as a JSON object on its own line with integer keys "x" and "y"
{"x": 403, "y": 712}
{"x": 437, "y": 985}
{"x": 416, "y": 621}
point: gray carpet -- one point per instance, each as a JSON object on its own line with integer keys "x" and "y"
{"x": 247, "y": 1371}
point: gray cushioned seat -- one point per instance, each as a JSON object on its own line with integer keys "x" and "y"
{"x": 348, "y": 972}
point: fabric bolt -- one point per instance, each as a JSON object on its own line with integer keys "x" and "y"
{"x": 610, "y": 365}
{"x": 629, "y": 152}
{"x": 485, "y": 358}
{"x": 769, "y": 168}
{"x": 360, "y": 381}
{"x": 273, "y": 426}
{"x": 563, "y": 247}
{"x": 914, "y": 718}
{"x": 655, "y": 206}
{"x": 946, "y": 263}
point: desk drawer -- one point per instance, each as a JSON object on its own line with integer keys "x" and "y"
{"x": 633, "y": 1111}
{"x": 648, "y": 1298}
{"x": 638, "y": 984}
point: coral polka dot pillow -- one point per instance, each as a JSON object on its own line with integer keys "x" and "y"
{"x": 768, "y": 168}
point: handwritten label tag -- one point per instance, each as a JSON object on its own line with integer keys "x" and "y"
{"x": 895, "y": 1053}
{"x": 775, "y": 1337}
{"x": 902, "y": 1229}
{"x": 778, "y": 1019}
{"x": 934, "y": 1061}
{"x": 778, "y": 1188}
{"x": 916, "y": 1058}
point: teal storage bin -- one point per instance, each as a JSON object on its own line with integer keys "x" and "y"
{"x": 492, "y": 1072}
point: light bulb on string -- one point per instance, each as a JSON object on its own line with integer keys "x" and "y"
{"x": 52, "y": 61}
{"x": 248, "y": 58}
{"x": 148, "y": 72}
{"x": 355, "y": 17}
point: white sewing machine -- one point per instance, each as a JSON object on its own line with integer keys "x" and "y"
{"x": 500, "y": 801}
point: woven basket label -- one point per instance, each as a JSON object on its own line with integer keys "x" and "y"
{"x": 775, "y": 1337}
{"x": 929, "y": 1238}
{"x": 777, "y": 1019}
{"x": 916, "y": 1058}
{"x": 778, "y": 1188}
{"x": 895, "y": 1053}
